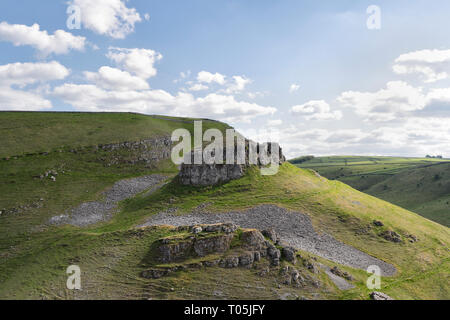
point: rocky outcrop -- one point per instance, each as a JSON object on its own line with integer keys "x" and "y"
{"x": 211, "y": 174}
{"x": 147, "y": 151}
{"x": 392, "y": 236}
{"x": 375, "y": 295}
{"x": 249, "y": 247}
{"x": 343, "y": 274}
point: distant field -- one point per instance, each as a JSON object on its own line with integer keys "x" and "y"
{"x": 421, "y": 185}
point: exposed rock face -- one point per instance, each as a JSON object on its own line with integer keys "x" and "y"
{"x": 176, "y": 251}
{"x": 205, "y": 240}
{"x": 213, "y": 244}
{"x": 148, "y": 151}
{"x": 211, "y": 174}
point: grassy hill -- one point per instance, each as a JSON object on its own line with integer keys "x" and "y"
{"x": 34, "y": 256}
{"x": 421, "y": 185}
{"x": 34, "y": 132}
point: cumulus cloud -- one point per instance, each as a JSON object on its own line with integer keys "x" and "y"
{"x": 115, "y": 79}
{"x": 107, "y": 17}
{"x": 60, "y": 42}
{"x": 395, "y": 101}
{"x": 12, "y": 99}
{"x": 413, "y": 137}
{"x": 316, "y": 110}
{"x": 238, "y": 84}
{"x": 208, "y": 77}
{"x": 294, "y": 87}
{"x": 22, "y": 74}
{"x": 87, "y": 97}
{"x": 274, "y": 122}
{"x": 198, "y": 87}
{"x": 431, "y": 65}
{"x": 25, "y": 74}
{"x": 137, "y": 61}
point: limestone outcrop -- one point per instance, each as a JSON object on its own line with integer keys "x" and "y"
{"x": 235, "y": 247}
{"x": 205, "y": 174}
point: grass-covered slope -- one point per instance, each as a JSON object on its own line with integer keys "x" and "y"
{"x": 34, "y": 132}
{"x": 421, "y": 185}
{"x": 34, "y": 256}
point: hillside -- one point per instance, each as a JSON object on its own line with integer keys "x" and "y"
{"x": 421, "y": 185}
{"x": 113, "y": 253}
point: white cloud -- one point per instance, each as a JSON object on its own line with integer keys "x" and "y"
{"x": 11, "y": 99}
{"x": 107, "y": 17}
{"x": 22, "y": 74}
{"x": 198, "y": 87}
{"x": 432, "y": 65}
{"x": 25, "y": 74}
{"x": 414, "y": 137}
{"x": 208, "y": 77}
{"x": 316, "y": 110}
{"x": 294, "y": 87}
{"x": 239, "y": 83}
{"x": 227, "y": 108}
{"x": 138, "y": 61}
{"x": 60, "y": 42}
{"x": 115, "y": 79}
{"x": 147, "y": 17}
{"x": 395, "y": 101}
{"x": 274, "y": 122}
{"x": 87, "y": 97}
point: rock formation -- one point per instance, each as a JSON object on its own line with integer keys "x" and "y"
{"x": 211, "y": 174}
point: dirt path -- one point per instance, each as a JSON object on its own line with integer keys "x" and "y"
{"x": 96, "y": 211}
{"x": 294, "y": 228}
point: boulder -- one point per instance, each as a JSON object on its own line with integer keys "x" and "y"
{"x": 274, "y": 255}
{"x": 271, "y": 234}
{"x": 253, "y": 239}
{"x": 376, "y": 295}
{"x": 343, "y": 274}
{"x": 377, "y": 223}
{"x": 391, "y": 236}
{"x": 246, "y": 259}
{"x": 288, "y": 253}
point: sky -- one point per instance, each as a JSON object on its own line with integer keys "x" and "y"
{"x": 319, "y": 77}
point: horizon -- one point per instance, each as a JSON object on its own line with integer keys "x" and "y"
{"x": 263, "y": 68}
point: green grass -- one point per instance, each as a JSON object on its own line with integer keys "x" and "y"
{"x": 33, "y": 132}
{"x": 34, "y": 257}
{"x": 421, "y": 185}
{"x": 334, "y": 207}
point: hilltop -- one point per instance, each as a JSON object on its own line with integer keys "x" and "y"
{"x": 118, "y": 254}
{"x": 421, "y": 185}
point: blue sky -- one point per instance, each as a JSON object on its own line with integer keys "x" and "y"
{"x": 307, "y": 73}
